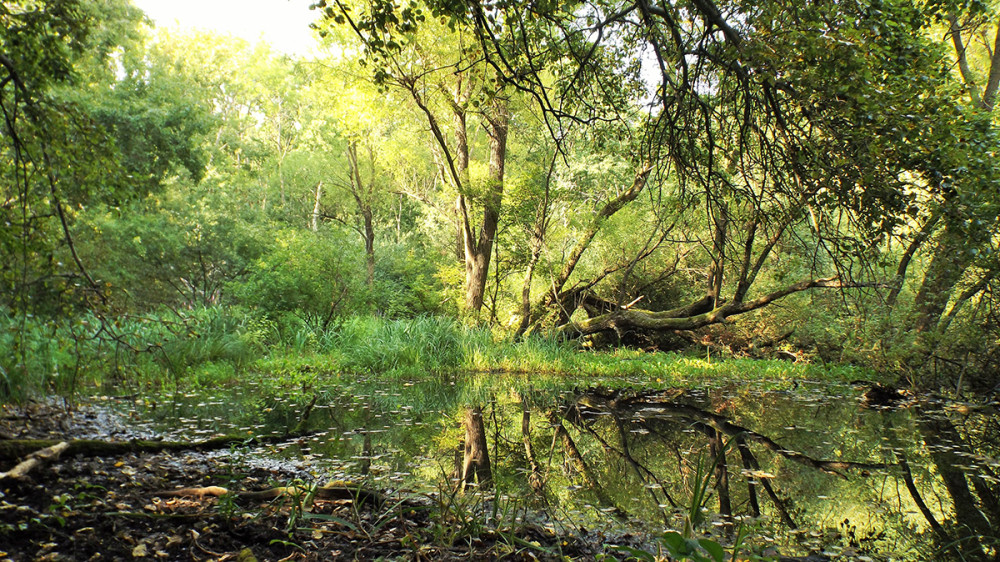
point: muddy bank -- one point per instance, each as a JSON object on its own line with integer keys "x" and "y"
{"x": 114, "y": 508}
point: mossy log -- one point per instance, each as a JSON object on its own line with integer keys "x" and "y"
{"x": 20, "y": 449}
{"x": 695, "y": 315}
{"x": 14, "y": 449}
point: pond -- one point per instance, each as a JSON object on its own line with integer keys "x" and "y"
{"x": 802, "y": 468}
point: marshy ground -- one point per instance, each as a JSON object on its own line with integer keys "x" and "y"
{"x": 114, "y": 508}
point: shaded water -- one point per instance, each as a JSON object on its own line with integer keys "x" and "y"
{"x": 807, "y": 468}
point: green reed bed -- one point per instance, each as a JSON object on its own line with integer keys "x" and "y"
{"x": 210, "y": 346}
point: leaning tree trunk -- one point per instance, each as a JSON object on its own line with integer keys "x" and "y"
{"x": 552, "y": 296}
{"x": 538, "y": 230}
{"x": 462, "y": 169}
{"x": 476, "y": 460}
{"x": 945, "y": 270}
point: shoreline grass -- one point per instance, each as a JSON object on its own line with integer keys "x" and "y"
{"x": 212, "y": 346}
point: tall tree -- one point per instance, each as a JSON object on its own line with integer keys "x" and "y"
{"x": 359, "y": 127}
{"x": 446, "y": 82}
{"x": 60, "y": 151}
{"x": 966, "y": 204}
{"x": 814, "y": 127}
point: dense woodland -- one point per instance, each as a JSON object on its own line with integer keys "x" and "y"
{"x": 438, "y": 264}
{"x": 813, "y": 179}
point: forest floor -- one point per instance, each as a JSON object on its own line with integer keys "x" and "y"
{"x": 116, "y": 508}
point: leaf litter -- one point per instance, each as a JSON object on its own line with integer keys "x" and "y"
{"x": 108, "y": 508}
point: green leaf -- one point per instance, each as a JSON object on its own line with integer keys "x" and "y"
{"x": 713, "y": 548}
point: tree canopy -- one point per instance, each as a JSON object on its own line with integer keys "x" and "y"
{"x": 624, "y": 172}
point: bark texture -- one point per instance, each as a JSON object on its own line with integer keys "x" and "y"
{"x": 476, "y": 466}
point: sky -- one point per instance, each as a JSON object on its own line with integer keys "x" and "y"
{"x": 282, "y": 23}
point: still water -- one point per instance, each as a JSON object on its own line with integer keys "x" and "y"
{"x": 807, "y": 468}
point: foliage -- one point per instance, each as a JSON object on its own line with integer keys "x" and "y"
{"x": 301, "y": 273}
{"x": 40, "y": 358}
{"x": 176, "y": 249}
{"x": 824, "y": 171}
{"x": 184, "y": 210}
{"x": 789, "y": 123}
{"x": 405, "y": 348}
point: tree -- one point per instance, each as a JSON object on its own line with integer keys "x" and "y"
{"x": 359, "y": 132}
{"x": 967, "y": 206}
{"x": 446, "y": 84}
{"x": 57, "y": 155}
{"x": 810, "y": 130}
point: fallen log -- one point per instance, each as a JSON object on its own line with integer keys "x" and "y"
{"x": 15, "y": 449}
{"x": 34, "y": 460}
{"x": 19, "y": 448}
{"x": 694, "y": 316}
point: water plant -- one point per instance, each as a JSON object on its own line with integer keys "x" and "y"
{"x": 685, "y": 545}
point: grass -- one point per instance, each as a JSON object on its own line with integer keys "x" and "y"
{"x": 206, "y": 347}
{"x": 440, "y": 347}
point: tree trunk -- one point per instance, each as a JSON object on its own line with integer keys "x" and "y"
{"x": 369, "y": 247}
{"x": 689, "y": 317}
{"x": 537, "y": 240}
{"x": 12, "y": 449}
{"x": 945, "y": 270}
{"x": 476, "y": 460}
{"x": 720, "y": 217}
{"x": 363, "y": 201}
{"x": 606, "y": 212}
{"x": 462, "y": 168}
{"x": 907, "y": 257}
{"x": 478, "y": 252}
{"x": 314, "y": 223}
{"x": 538, "y": 231}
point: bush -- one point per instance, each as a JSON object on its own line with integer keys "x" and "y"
{"x": 38, "y": 356}
{"x": 317, "y": 274}
{"x": 176, "y": 252}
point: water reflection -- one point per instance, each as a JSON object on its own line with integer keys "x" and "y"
{"x": 812, "y": 469}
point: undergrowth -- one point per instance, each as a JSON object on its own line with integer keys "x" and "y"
{"x": 213, "y": 346}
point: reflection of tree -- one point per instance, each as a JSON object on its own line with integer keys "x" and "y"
{"x": 644, "y": 418}
{"x": 620, "y": 450}
{"x": 717, "y": 451}
{"x": 535, "y": 479}
{"x": 976, "y": 507}
{"x": 476, "y": 462}
{"x": 580, "y": 464}
{"x": 752, "y": 466}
